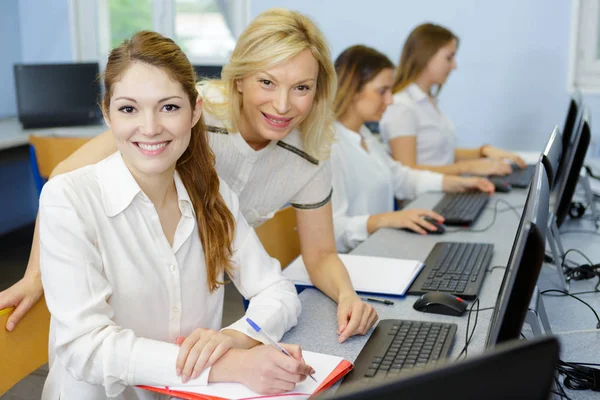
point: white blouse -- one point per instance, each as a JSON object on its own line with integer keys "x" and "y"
{"x": 365, "y": 183}
{"x": 267, "y": 179}
{"x": 412, "y": 114}
{"x": 119, "y": 294}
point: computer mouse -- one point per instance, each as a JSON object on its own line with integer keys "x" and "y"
{"x": 501, "y": 185}
{"x": 440, "y": 303}
{"x": 441, "y": 228}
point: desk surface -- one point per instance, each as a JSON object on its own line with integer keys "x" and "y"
{"x": 13, "y": 135}
{"x": 316, "y": 329}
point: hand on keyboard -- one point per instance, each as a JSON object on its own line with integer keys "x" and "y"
{"x": 453, "y": 184}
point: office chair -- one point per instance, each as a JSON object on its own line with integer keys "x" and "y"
{"x": 279, "y": 237}
{"x": 45, "y": 152}
{"x": 25, "y": 349}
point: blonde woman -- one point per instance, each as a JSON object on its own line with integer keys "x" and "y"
{"x": 419, "y": 134}
{"x": 365, "y": 178}
{"x": 270, "y": 122}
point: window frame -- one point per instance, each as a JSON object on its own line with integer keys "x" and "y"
{"x": 89, "y": 24}
{"x": 584, "y": 51}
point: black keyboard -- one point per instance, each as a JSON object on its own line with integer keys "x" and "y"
{"x": 461, "y": 208}
{"x": 454, "y": 267}
{"x": 398, "y": 346}
{"x": 519, "y": 178}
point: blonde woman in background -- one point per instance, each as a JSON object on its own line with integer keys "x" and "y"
{"x": 419, "y": 134}
{"x": 270, "y": 122}
{"x": 365, "y": 178}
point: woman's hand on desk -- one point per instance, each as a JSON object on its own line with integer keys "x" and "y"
{"x": 499, "y": 154}
{"x": 464, "y": 184}
{"x": 200, "y": 350}
{"x": 486, "y": 166}
{"x": 355, "y": 317}
{"x": 22, "y": 295}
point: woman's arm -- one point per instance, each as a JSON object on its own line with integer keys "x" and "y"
{"x": 328, "y": 273}
{"x": 274, "y": 303}
{"x": 462, "y": 154}
{"x": 25, "y": 293}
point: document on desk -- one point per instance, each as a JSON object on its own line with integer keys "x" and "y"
{"x": 368, "y": 274}
{"x": 328, "y": 370}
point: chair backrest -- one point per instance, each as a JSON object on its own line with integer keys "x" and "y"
{"x": 50, "y": 150}
{"x": 25, "y": 349}
{"x": 279, "y": 236}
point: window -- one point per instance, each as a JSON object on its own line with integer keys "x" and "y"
{"x": 584, "y": 65}
{"x": 206, "y": 30}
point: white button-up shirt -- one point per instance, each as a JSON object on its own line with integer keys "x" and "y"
{"x": 412, "y": 114}
{"x": 365, "y": 183}
{"x": 119, "y": 294}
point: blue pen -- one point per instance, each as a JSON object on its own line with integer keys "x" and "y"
{"x": 270, "y": 341}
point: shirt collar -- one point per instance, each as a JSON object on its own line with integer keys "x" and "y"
{"x": 416, "y": 92}
{"x": 118, "y": 187}
{"x": 348, "y": 134}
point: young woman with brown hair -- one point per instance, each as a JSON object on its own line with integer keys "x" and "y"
{"x": 418, "y": 133}
{"x": 134, "y": 251}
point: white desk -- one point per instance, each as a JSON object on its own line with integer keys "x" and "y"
{"x": 13, "y": 135}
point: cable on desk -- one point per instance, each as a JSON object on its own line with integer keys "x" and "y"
{"x": 576, "y": 298}
{"x": 562, "y": 393}
{"x": 578, "y": 376}
{"x": 479, "y": 230}
{"x": 468, "y": 337}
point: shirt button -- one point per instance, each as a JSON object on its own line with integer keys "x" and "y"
{"x": 172, "y": 267}
{"x": 175, "y": 310}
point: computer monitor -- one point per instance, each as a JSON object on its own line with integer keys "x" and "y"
{"x": 552, "y": 154}
{"x": 522, "y": 369}
{"x": 524, "y": 264}
{"x": 566, "y": 183}
{"x": 571, "y": 119}
{"x": 50, "y": 95}
{"x": 208, "y": 71}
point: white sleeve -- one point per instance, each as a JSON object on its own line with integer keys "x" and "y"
{"x": 274, "y": 303}
{"x": 398, "y": 120}
{"x": 349, "y": 231}
{"x": 409, "y": 183}
{"x": 88, "y": 342}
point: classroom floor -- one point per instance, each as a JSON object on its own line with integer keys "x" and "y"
{"x": 14, "y": 250}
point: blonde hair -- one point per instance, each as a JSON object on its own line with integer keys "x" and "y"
{"x": 273, "y": 37}
{"x": 420, "y": 46}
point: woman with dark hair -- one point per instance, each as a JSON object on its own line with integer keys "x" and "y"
{"x": 134, "y": 251}
{"x": 418, "y": 133}
{"x": 365, "y": 178}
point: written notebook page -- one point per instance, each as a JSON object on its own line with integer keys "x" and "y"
{"x": 368, "y": 274}
{"x": 323, "y": 365}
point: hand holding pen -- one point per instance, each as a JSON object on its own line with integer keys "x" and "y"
{"x": 267, "y": 340}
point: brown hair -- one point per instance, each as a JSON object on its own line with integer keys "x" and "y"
{"x": 196, "y": 166}
{"x": 355, "y": 67}
{"x": 422, "y": 44}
